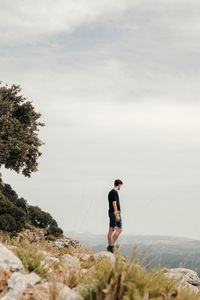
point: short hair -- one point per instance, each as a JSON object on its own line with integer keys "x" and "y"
{"x": 117, "y": 182}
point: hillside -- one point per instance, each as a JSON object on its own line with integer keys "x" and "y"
{"x": 34, "y": 268}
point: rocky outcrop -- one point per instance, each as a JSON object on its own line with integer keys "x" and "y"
{"x": 70, "y": 260}
{"x": 66, "y": 243}
{"x": 49, "y": 258}
{"x": 42, "y": 291}
{"x": 15, "y": 284}
{"x": 18, "y": 282}
{"x": 8, "y": 261}
{"x": 185, "y": 278}
{"x": 100, "y": 255}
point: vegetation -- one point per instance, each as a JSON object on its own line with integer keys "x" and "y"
{"x": 32, "y": 261}
{"x": 15, "y": 213}
{"x": 19, "y": 142}
{"x": 19, "y": 151}
{"x": 126, "y": 279}
{"x": 129, "y": 280}
{"x": 42, "y": 219}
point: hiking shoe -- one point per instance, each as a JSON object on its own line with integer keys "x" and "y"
{"x": 110, "y": 248}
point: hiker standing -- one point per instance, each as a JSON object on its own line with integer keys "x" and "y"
{"x": 114, "y": 212}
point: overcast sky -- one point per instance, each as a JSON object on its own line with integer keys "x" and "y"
{"x": 117, "y": 84}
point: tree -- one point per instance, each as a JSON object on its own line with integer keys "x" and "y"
{"x": 19, "y": 142}
{"x": 42, "y": 219}
{"x": 12, "y": 218}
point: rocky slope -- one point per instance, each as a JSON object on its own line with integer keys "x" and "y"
{"x": 32, "y": 267}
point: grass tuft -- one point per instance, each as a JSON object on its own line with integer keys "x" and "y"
{"x": 32, "y": 261}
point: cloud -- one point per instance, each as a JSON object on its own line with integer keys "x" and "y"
{"x": 117, "y": 83}
{"x": 26, "y": 21}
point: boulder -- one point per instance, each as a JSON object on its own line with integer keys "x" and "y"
{"x": 186, "y": 275}
{"x": 9, "y": 261}
{"x": 65, "y": 293}
{"x": 186, "y": 278}
{"x": 18, "y": 282}
{"x": 60, "y": 244}
{"x": 66, "y": 242}
{"x": 102, "y": 254}
{"x": 83, "y": 256}
{"x": 48, "y": 290}
{"x": 70, "y": 260}
{"x": 47, "y": 257}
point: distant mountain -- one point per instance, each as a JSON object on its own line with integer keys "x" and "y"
{"x": 159, "y": 250}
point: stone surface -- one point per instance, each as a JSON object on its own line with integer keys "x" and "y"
{"x": 65, "y": 293}
{"x": 70, "y": 260}
{"x": 49, "y": 290}
{"x": 66, "y": 242}
{"x": 83, "y": 256}
{"x": 9, "y": 261}
{"x": 18, "y": 282}
{"x": 103, "y": 254}
{"x": 60, "y": 244}
{"x": 186, "y": 278}
{"x": 186, "y": 275}
{"x": 48, "y": 258}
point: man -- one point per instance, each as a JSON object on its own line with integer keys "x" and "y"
{"x": 114, "y": 212}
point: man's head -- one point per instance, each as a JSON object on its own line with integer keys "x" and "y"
{"x": 118, "y": 184}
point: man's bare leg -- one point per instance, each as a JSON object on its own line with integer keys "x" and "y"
{"x": 116, "y": 234}
{"x": 110, "y": 236}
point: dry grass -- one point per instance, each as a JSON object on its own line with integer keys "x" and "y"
{"x": 128, "y": 280}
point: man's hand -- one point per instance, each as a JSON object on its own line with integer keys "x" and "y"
{"x": 117, "y": 218}
{"x": 116, "y": 213}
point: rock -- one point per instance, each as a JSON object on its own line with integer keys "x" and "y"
{"x": 49, "y": 290}
{"x": 70, "y": 260}
{"x": 186, "y": 278}
{"x": 103, "y": 254}
{"x": 48, "y": 258}
{"x": 18, "y": 282}
{"x": 4, "y": 276}
{"x": 60, "y": 244}
{"x": 186, "y": 275}
{"x": 65, "y": 293}
{"x": 83, "y": 256}
{"x": 9, "y": 261}
{"x": 66, "y": 242}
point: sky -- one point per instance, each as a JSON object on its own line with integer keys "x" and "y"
{"x": 117, "y": 85}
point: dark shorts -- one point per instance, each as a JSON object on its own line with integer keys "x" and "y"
{"x": 113, "y": 222}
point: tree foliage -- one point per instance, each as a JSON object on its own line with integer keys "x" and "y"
{"x": 12, "y": 218}
{"x": 42, "y": 219}
{"x": 19, "y": 151}
{"x": 19, "y": 141}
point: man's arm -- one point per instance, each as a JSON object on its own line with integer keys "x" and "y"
{"x": 115, "y": 209}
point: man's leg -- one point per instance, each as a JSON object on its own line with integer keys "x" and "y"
{"x": 116, "y": 234}
{"x": 110, "y": 233}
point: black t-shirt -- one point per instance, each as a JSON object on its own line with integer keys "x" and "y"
{"x": 113, "y": 196}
